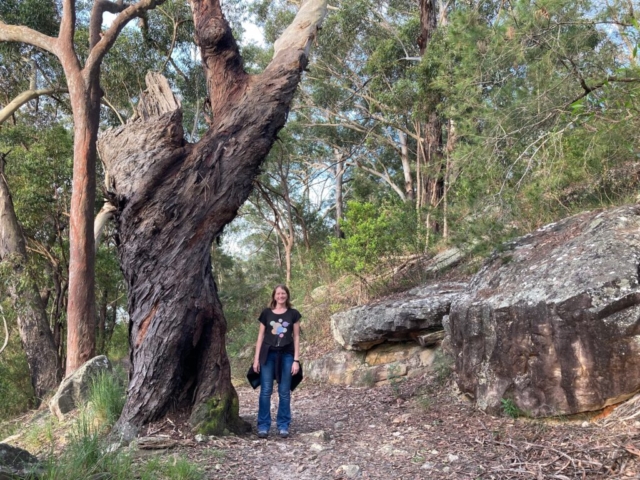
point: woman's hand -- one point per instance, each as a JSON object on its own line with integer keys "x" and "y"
{"x": 256, "y": 366}
{"x": 295, "y": 368}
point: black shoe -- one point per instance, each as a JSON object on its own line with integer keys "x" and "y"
{"x": 263, "y": 434}
{"x": 284, "y": 433}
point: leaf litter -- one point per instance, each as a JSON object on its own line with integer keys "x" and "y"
{"x": 419, "y": 428}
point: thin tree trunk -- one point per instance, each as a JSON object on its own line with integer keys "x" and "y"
{"x": 288, "y": 250}
{"x": 173, "y": 198}
{"x": 339, "y": 175}
{"x": 291, "y": 238}
{"x": 419, "y": 162}
{"x": 406, "y": 166}
{"x": 428, "y": 23}
{"x": 278, "y": 253}
{"x": 305, "y": 234}
{"x": 35, "y": 333}
{"x": 433, "y": 155}
{"x": 102, "y": 322}
{"x": 84, "y": 93}
{"x": 434, "y": 184}
{"x": 451, "y": 142}
{"x": 81, "y": 315}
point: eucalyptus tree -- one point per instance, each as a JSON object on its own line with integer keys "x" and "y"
{"x": 432, "y": 180}
{"x": 33, "y": 325}
{"x": 82, "y": 74}
{"x": 174, "y": 197}
{"x": 363, "y": 80}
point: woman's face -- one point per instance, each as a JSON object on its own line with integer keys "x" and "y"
{"x": 280, "y": 296}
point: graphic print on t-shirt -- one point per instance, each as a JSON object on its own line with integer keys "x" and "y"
{"x": 279, "y": 327}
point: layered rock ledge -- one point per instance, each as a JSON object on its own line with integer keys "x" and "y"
{"x": 418, "y": 312}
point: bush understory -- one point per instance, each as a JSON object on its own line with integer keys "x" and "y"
{"x": 78, "y": 448}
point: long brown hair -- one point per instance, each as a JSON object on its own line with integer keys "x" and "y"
{"x": 273, "y": 302}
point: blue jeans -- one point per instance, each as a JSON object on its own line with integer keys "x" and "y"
{"x": 267, "y": 377}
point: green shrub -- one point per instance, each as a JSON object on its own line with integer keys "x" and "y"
{"x": 372, "y": 233}
{"x": 16, "y": 391}
{"x": 510, "y": 408}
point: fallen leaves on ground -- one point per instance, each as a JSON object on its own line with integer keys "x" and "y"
{"x": 413, "y": 429}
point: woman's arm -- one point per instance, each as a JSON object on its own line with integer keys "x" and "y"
{"x": 296, "y": 348}
{"x": 256, "y": 358}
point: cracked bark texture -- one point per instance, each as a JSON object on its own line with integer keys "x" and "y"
{"x": 33, "y": 325}
{"x": 173, "y": 198}
{"x": 552, "y": 322}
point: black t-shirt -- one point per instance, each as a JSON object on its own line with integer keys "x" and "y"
{"x": 279, "y": 326}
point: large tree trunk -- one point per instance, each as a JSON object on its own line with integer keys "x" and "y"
{"x": 35, "y": 333}
{"x": 428, "y": 23}
{"x": 173, "y": 198}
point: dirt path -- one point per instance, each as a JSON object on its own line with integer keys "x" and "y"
{"x": 414, "y": 430}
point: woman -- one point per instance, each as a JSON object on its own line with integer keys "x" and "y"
{"x": 277, "y": 357}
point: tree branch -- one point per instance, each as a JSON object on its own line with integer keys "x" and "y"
{"x": 19, "y": 33}
{"x": 383, "y": 176}
{"x": 291, "y": 50}
{"x": 301, "y": 33}
{"x": 6, "y": 331}
{"x": 224, "y": 71}
{"x": 105, "y": 101}
{"x": 105, "y": 214}
{"x": 101, "y": 48}
{"x": 67, "y": 31}
{"x": 276, "y": 222}
{"x": 588, "y": 89}
{"x": 25, "y": 97}
{"x": 97, "y": 12}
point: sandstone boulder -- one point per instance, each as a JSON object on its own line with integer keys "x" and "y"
{"x": 338, "y": 367}
{"x": 16, "y": 463}
{"x": 416, "y": 312}
{"x": 74, "y": 390}
{"x": 552, "y": 322}
{"x": 375, "y": 367}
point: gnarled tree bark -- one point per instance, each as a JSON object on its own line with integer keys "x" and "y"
{"x": 173, "y": 198}
{"x": 35, "y": 333}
